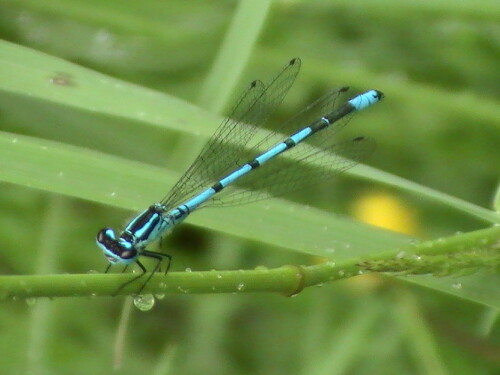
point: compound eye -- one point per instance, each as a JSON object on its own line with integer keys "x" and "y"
{"x": 111, "y": 259}
{"x": 105, "y": 235}
{"x": 128, "y": 254}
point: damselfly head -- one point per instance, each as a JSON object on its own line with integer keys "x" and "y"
{"x": 115, "y": 251}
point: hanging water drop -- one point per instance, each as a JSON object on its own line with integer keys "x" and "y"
{"x": 159, "y": 295}
{"x": 144, "y": 302}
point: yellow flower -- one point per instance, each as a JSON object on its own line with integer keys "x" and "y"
{"x": 385, "y": 211}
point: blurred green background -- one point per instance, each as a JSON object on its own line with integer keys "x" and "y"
{"x": 438, "y": 64}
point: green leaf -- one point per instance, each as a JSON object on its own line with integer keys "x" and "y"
{"x": 78, "y": 172}
{"x": 496, "y": 200}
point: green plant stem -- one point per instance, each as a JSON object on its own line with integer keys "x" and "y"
{"x": 234, "y": 53}
{"x": 420, "y": 337}
{"x": 287, "y": 280}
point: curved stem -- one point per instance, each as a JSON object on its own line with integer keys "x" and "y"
{"x": 478, "y": 250}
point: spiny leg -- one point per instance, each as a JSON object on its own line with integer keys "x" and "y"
{"x": 169, "y": 263}
{"x": 109, "y": 266}
{"x": 159, "y": 257}
{"x": 167, "y": 256}
{"x": 143, "y": 269}
{"x": 151, "y": 254}
{"x": 164, "y": 255}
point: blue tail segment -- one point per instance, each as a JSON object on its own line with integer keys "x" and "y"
{"x": 365, "y": 100}
{"x": 213, "y": 176}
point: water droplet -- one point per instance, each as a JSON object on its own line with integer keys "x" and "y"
{"x": 457, "y": 286}
{"x": 31, "y": 301}
{"x": 240, "y": 287}
{"x": 341, "y": 273}
{"x": 92, "y": 271}
{"x": 160, "y": 295}
{"x": 182, "y": 290}
{"x": 188, "y": 269}
{"x": 219, "y": 276}
{"x": 62, "y": 79}
{"x": 113, "y": 194}
{"x": 144, "y": 302}
{"x": 347, "y": 245}
{"x": 14, "y": 140}
{"x": 400, "y": 255}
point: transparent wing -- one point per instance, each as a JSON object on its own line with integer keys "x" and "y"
{"x": 316, "y": 160}
{"x": 313, "y": 112}
{"x": 286, "y": 174}
{"x": 222, "y": 152}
